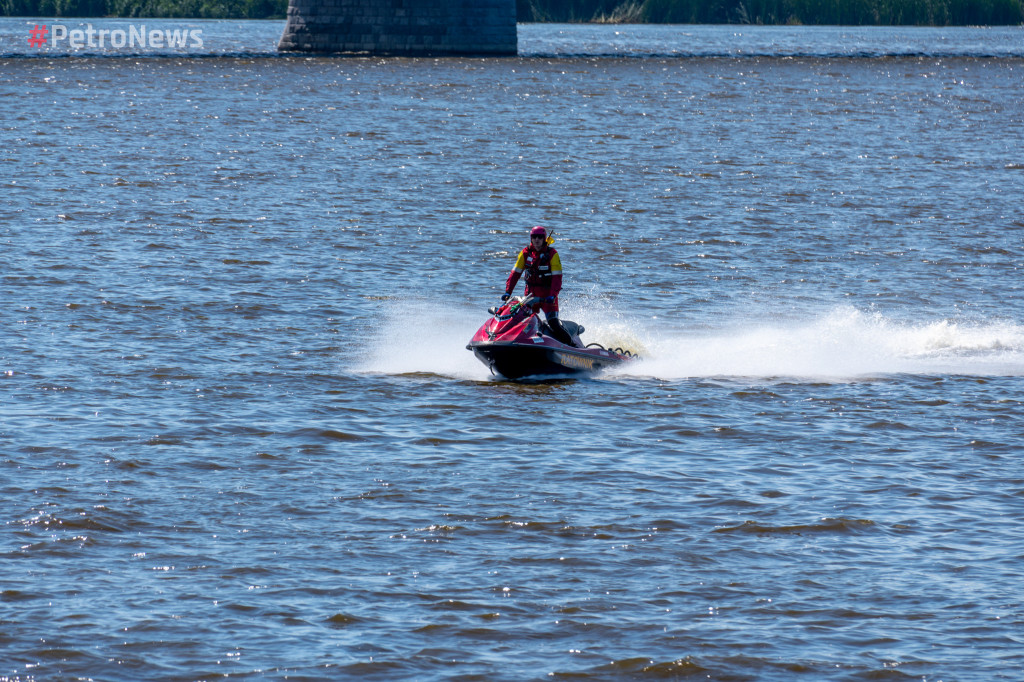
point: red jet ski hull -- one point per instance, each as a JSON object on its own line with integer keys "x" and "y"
{"x": 515, "y": 361}
{"x": 516, "y": 344}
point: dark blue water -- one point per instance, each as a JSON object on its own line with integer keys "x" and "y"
{"x": 240, "y": 434}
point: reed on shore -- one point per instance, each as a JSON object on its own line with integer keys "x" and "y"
{"x": 820, "y": 12}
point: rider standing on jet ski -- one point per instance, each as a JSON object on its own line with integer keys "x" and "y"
{"x": 543, "y": 270}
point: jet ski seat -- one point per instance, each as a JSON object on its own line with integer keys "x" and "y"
{"x": 573, "y": 328}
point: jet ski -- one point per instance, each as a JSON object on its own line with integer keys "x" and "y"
{"x": 516, "y": 343}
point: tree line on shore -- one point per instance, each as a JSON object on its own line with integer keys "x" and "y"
{"x": 173, "y": 9}
{"x": 822, "y": 12}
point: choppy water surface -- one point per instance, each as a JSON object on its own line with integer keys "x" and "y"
{"x": 241, "y": 434}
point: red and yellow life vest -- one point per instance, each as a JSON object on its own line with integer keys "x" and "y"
{"x": 543, "y": 271}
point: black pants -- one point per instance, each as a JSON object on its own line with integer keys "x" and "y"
{"x": 557, "y": 330}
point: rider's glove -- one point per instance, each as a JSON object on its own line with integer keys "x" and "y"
{"x": 550, "y": 299}
{"x": 505, "y": 296}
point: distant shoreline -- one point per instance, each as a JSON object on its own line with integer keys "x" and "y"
{"x": 935, "y": 13}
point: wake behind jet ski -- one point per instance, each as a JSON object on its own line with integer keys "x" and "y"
{"x": 515, "y": 343}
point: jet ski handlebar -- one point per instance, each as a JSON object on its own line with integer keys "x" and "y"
{"x": 515, "y": 301}
{"x": 523, "y": 300}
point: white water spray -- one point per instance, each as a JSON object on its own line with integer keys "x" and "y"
{"x": 420, "y": 336}
{"x": 842, "y": 345}
{"x": 845, "y": 344}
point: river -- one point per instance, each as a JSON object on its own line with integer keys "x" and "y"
{"x": 240, "y": 433}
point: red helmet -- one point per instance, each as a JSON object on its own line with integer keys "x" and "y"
{"x": 538, "y": 232}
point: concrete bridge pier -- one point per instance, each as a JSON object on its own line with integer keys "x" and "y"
{"x": 401, "y": 27}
